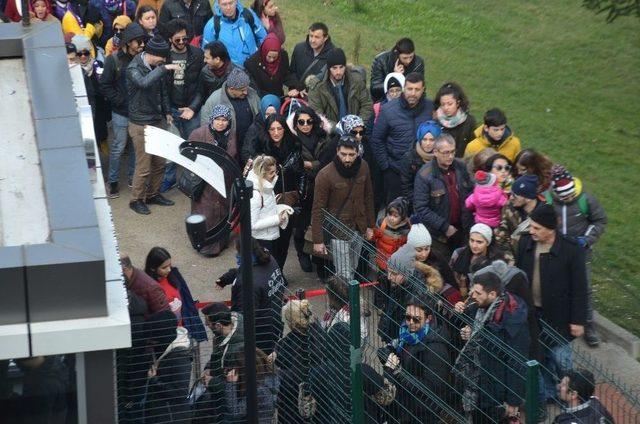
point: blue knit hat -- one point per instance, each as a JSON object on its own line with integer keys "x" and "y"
{"x": 526, "y": 186}
{"x": 428, "y": 127}
{"x": 269, "y": 100}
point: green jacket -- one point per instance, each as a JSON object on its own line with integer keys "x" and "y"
{"x": 322, "y": 100}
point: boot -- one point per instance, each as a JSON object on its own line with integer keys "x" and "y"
{"x": 305, "y": 262}
{"x": 590, "y": 335}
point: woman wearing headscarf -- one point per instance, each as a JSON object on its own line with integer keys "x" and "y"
{"x": 269, "y": 69}
{"x": 422, "y": 153}
{"x": 212, "y": 204}
{"x": 269, "y": 105}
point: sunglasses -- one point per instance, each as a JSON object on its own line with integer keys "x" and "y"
{"x": 502, "y": 167}
{"x": 84, "y": 53}
{"x": 305, "y": 121}
{"x": 356, "y": 133}
{"x": 181, "y": 40}
{"x": 411, "y": 318}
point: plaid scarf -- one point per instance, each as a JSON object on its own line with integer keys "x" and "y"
{"x": 451, "y": 121}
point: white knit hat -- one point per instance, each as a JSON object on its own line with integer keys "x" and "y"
{"x": 419, "y": 236}
{"x": 484, "y": 230}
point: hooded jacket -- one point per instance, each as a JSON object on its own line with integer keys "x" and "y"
{"x": 486, "y": 203}
{"x": 264, "y": 211}
{"x": 241, "y": 39}
{"x": 303, "y": 57}
{"x": 148, "y": 95}
{"x": 323, "y": 100}
{"x": 573, "y": 222}
{"x": 394, "y": 133}
{"x": 510, "y": 146}
{"x": 113, "y": 82}
{"x": 383, "y": 64}
{"x": 196, "y": 15}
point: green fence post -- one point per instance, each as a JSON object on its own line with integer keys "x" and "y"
{"x": 357, "y": 401}
{"x": 532, "y": 406}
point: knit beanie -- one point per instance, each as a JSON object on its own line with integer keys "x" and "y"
{"x": 431, "y": 127}
{"x": 484, "y": 230}
{"x": 562, "y": 182}
{"x": 403, "y": 260}
{"x": 269, "y": 100}
{"x": 82, "y": 43}
{"x": 157, "y": 46}
{"x": 393, "y": 79}
{"x": 238, "y": 79}
{"x": 545, "y": 215}
{"x": 485, "y": 178}
{"x": 297, "y": 313}
{"x": 418, "y": 236}
{"x": 336, "y": 57}
{"x": 400, "y": 205}
{"x": 526, "y": 186}
{"x": 131, "y": 32}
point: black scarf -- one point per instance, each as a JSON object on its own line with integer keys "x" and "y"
{"x": 308, "y": 141}
{"x": 345, "y": 172}
{"x": 221, "y": 139}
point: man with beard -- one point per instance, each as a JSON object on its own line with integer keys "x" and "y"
{"x": 114, "y": 88}
{"x": 343, "y": 188}
{"x": 395, "y": 129}
{"x": 217, "y": 69}
{"x": 148, "y": 105}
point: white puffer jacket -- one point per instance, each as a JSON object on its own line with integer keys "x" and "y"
{"x": 264, "y": 212}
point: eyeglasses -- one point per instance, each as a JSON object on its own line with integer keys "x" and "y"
{"x": 447, "y": 152}
{"x": 356, "y": 133}
{"x": 84, "y": 53}
{"x": 502, "y": 167}
{"x": 181, "y": 39}
{"x": 411, "y": 318}
{"x": 305, "y": 121}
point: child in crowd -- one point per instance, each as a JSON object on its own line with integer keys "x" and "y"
{"x": 496, "y": 134}
{"x": 391, "y": 232}
{"x": 487, "y": 200}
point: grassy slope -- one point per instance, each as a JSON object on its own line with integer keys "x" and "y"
{"x": 567, "y": 80}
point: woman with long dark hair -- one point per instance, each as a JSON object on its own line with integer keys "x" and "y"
{"x": 268, "y": 13}
{"x": 159, "y": 267}
{"x": 282, "y": 145}
{"x": 313, "y": 136}
{"x": 452, "y": 112}
{"x": 532, "y": 162}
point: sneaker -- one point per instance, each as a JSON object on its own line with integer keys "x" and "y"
{"x": 160, "y": 200}
{"x": 138, "y": 206}
{"x": 114, "y": 193}
{"x": 305, "y": 263}
{"x": 590, "y": 335}
{"x": 130, "y": 183}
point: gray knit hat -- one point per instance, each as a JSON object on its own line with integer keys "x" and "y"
{"x": 238, "y": 79}
{"x": 403, "y": 260}
{"x": 81, "y": 42}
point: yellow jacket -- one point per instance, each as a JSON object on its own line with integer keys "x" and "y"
{"x": 510, "y": 147}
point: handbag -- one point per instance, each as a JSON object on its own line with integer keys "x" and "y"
{"x": 190, "y": 184}
{"x": 289, "y": 198}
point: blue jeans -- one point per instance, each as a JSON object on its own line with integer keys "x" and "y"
{"x": 185, "y": 127}
{"x": 557, "y": 361}
{"x": 118, "y": 143}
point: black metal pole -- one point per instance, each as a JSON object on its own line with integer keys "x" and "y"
{"x": 244, "y": 189}
{"x": 26, "y": 19}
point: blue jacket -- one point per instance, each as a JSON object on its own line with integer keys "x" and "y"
{"x": 238, "y": 36}
{"x": 394, "y": 133}
{"x": 190, "y": 317}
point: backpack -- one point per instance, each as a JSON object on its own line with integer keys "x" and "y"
{"x": 583, "y": 205}
{"x": 246, "y": 15}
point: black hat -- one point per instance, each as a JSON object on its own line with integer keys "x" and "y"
{"x": 393, "y": 82}
{"x": 157, "y": 46}
{"x": 131, "y": 32}
{"x": 336, "y": 57}
{"x": 545, "y": 215}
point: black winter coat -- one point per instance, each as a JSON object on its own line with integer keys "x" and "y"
{"x": 288, "y": 161}
{"x": 197, "y": 15}
{"x": 148, "y": 94}
{"x": 462, "y": 134}
{"x": 392, "y": 299}
{"x": 208, "y": 82}
{"x": 425, "y": 364}
{"x": 169, "y": 389}
{"x": 195, "y": 59}
{"x": 431, "y": 199}
{"x": 113, "y": 82}
{"x": 267, "y": 84}
{"x": 410, "y": 164}
{"x": 303, "y": 57}
{"x": 394, "y": 133}
{"x": 563, "y": 280}
{"x": 251, "y": 143}
{"x": 383, "y": 64}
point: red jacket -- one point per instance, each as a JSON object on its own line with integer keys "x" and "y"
{"x": 149, "y": 290}
{"x": 388, "y": 241}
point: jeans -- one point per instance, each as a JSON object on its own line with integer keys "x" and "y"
{"x": 120, "y": 124}
{"x": 185, "y": 127}
{"x": 557, "y": 361}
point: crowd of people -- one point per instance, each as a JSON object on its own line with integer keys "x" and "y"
{"x": 454, "y": 206}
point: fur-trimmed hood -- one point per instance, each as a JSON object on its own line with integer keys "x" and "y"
{"x": 432, "y": 277}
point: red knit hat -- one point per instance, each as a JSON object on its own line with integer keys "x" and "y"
{"x": 562, "y": 182}
{"x": 485, "y": 178}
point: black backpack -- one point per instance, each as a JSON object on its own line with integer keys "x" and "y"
{"x": 246, "y": 15}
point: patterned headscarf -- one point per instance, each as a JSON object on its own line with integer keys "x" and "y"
{"x": 220, "y": 111}
{"x": 349, "y": 122}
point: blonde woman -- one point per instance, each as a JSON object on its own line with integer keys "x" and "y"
{"x": 266, "y": 215}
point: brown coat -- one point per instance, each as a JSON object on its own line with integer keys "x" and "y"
{"x": 149, "y": 290}
{"x": 330, "y": 192}
{"x": 211, "y": 204}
